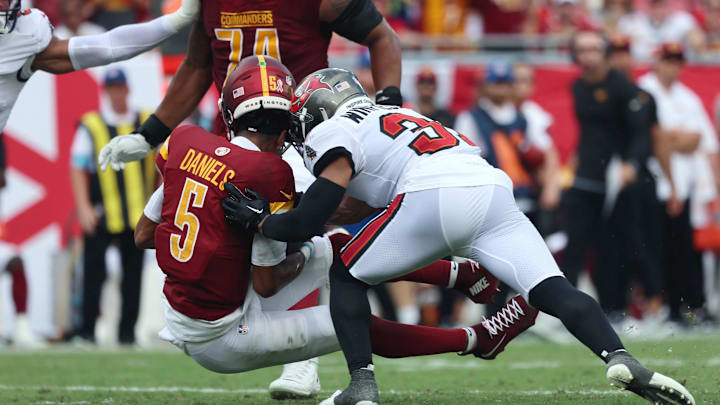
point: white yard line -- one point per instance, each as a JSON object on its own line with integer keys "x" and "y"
{"x": 208, "y": 390}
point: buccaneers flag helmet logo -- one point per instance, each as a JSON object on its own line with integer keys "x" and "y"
{"x": 306, "y": 89}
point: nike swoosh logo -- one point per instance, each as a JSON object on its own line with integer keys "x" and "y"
{"x": 288, "y": 196}
{"x": 255, "y": 210}
{"x": 491, "y": 352}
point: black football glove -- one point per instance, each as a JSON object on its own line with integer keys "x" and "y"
{"x": 389, "y": 96}
{"x": 245, "y": 210}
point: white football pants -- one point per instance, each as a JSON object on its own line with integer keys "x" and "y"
{"x": 482, "y": 223}
{"x": 268, "y": 334}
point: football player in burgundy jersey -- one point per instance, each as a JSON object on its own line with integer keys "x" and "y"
{"x": 210, "y": 310}
{"x": 297, "y": 33}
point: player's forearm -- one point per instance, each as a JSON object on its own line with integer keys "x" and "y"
{"x": 307, "y": 220}
{"x": 190, "y": 82}
{"x": 145, "y": 233}
{"x": 268, "y": 281}
{"x": 79, "y": 183}
{"x": 550, "y": 172}
{"x": 121, "y": 43}
{"x": 662, "y": 150}
{"x": 385, "y": 56}
{"x": 186, "y": 90}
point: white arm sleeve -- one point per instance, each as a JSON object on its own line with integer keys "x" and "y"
{"x": 328, "y": 136}
{"x": 120, "y": 43}
{"x": 267, "y": 252}
{"x": 153, "y": 208}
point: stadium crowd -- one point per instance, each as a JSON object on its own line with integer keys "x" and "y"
{"x": 633, "y": 207}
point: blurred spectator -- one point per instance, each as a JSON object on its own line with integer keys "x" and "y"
{"x": 610, "y": 125}
{"x": 498, "y": 127}
{"x": 451, "y": 18}
{"x": 611, "y": 13}
{"x": 564, "y": 18}
{"x": 708, "y": 18}
{"x": 688, "y": 132}
{"x": 109, "y": 204}
{"x": 660, "y": 24}
{"x": 504, "y": 16}
{"x": 636, "y": 216}
{"x": 112, "y": 13}
{"x": 538, "y": 124}
{"x": 51, "y": 8}
{"x": 74, "y": 21}
{"x": 426, "y": 85}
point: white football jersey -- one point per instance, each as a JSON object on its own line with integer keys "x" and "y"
{"x": 397, "y": 150}
{"x": 31, "y": 35}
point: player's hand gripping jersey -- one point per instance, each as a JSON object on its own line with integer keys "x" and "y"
{"x": 207, "y": 263}
{"x": 396, "y": 150}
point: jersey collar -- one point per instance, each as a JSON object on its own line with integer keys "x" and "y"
{"x": 244, "y": 143}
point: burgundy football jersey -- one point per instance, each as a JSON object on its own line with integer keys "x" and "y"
{"x": 290, "y": 31}
{"x": 206, "y": 261}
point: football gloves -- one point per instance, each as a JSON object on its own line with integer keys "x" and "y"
{"x": 122, "y": 149}
{"x": 244, "y": 209}
{"x": 389, "y": 96}
{"x": 128, "y": 148}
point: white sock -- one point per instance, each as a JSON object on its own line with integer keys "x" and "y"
{"x": 453, "y": 274}
{"x": 472, "y": 340}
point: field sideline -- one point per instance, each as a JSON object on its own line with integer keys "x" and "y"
{"x": 529, "y": 372}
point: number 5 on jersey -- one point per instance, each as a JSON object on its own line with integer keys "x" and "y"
{"x": 193, "y": 194}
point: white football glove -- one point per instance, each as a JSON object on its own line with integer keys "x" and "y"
{"x": 122, "y": 149}
{"x": 186, "y": 14}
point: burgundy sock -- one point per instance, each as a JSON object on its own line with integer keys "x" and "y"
{"x": 437, "y": 273}
{"x": 393, "y": 340}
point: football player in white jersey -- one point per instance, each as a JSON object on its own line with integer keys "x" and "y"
{"x": 442, "y": 199}
{"x": 27, "y": 44}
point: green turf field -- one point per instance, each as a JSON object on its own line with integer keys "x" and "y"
{"x": 529, "y": 372}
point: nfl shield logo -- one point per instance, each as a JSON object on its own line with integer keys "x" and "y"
{"x": 310, "y": 152}
{"x": 242, "y": 329}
